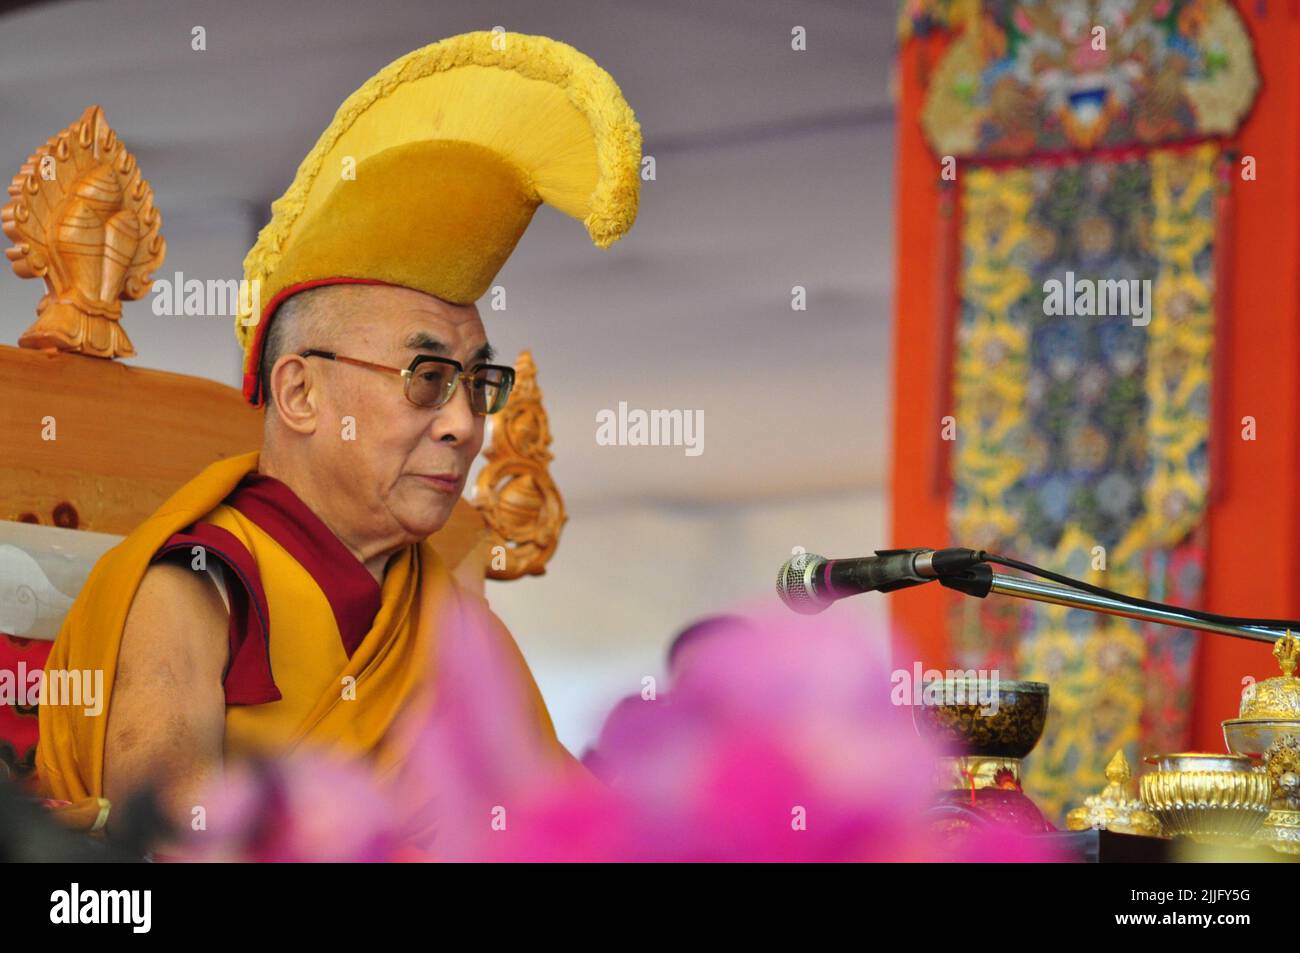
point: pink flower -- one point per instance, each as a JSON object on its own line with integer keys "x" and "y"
{"x": 777, "y": 741}
{"x": 307, "y": 807}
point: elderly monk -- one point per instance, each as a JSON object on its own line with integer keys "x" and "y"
{"x": 292, "y": 597}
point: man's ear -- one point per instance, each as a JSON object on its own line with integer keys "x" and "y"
{"x": 294, "y": 393}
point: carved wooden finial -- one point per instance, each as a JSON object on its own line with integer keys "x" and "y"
{"x": 82, "y": 217}
{"x": 514, "y": 493}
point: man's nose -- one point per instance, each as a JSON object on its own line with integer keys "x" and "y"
{"x": 455, "y": 420}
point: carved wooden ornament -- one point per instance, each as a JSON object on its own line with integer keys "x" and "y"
{"x": 514, "y": 493}
{"x": 82, "y": 217}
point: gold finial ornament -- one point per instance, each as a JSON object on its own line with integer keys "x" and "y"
{"x": 1116, "y": 808}
{"x": 82, "y": 217}
{"x": 1285, "y": 650}
{"x": 515, "y": 494}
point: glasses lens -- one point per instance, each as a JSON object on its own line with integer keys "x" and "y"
{"x": 431, "y": 383}
{"x": 489, "y": 387}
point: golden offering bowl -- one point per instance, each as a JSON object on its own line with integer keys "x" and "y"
{"x": 1252, "y": 737}
{"x": 971, "y": 718}
{"x": 1208, "y": 797}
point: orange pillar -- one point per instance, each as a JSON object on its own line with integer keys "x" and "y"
{"x": 922, "y": 293}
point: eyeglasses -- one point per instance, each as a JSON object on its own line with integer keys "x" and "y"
{"x": 432, "y": 381}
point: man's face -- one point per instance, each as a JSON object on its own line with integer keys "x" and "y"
{"x": 407, "y": 465}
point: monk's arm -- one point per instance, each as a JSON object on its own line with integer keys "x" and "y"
{"x": 166, "y": 716}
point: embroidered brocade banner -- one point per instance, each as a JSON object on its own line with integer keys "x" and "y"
{"x": 1086, "y": 136}
{"x": 1082, "y": 441}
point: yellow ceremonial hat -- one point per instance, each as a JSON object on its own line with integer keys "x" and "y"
{"x": 431, "y": 171}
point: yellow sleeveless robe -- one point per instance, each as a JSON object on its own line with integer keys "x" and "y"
{"x": 345, "y": 705}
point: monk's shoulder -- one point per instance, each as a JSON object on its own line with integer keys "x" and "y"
{"x": 166, "y": 714}
{"x": 177, "y": 616}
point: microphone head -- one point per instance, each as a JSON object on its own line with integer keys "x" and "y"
{"x": 794, "y": 584}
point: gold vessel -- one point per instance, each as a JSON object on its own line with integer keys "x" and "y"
{"x": 1277, "y": 698}
{"x": 1208, "y": 797}
{"x": 985, "y": 729}
{"x": 1268, "y": 732}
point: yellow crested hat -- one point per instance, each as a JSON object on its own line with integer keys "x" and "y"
{"x": 431, "y": 171}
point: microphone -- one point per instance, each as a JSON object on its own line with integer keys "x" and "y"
{"x": 808, "y": 583}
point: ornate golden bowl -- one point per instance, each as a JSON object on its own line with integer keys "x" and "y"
{"x": 1207, "y": 796}
{"x": 964, "y": 725}
{"x": 1252, "y": 737}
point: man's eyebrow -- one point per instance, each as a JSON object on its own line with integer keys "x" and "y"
{"x": 423, "y": 341}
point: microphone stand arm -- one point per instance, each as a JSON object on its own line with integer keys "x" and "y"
{"x": 981, "y": 580}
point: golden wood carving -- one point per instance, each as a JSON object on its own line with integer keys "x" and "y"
{"x": 83, "y": 218}
{"x": 514, "y": 493}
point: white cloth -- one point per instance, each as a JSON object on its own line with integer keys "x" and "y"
{"x": 217, "y": 573}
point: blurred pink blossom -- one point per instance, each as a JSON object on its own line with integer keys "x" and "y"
{"x": 776, "y": 741}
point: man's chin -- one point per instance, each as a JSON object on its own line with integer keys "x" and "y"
{"x": 427, "y": 521}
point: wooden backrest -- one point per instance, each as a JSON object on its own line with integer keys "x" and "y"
{"x": 96, "y": 445}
